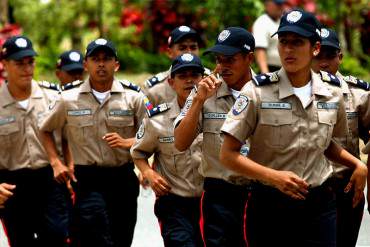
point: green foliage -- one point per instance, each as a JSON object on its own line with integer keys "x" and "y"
{"x": 351, "y": 66}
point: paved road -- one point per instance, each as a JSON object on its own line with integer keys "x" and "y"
{"x": 147, "y": 232}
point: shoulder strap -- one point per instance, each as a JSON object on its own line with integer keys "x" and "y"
{"x": 266, "y": 79}
{"x": 357, "y": 82}
{"x": 71, "y": 85}
{"x": 329, "y": 78}
{"x": 130, "y": 85}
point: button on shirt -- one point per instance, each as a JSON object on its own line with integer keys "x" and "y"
{"x": 212, "y": 117}
{"x": 85, "y": 121}
{"x": 180, "y": 169}
{"x": 284, "y": 135}
{"x": 19, "y": 129}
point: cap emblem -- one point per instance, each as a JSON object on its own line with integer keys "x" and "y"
{"x": 294, "y": 16}
{"x": 187, "y": 57}
{"x": 184, "y": 29}
{"x": 21, "y": 42}
{"x": 101, "y": 41}
{"x": 223, "y": 35}
{"x": 324, "y": 33}
{"x": 74, "y": 56}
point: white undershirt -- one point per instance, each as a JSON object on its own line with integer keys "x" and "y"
{"x": 24, "y": 103}
{"x": 304, "y": 93}
{"x": 100, "y": 96}
{"x": 235, "y": 93}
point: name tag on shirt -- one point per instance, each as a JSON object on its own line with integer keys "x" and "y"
{"x": 327, "y": 105}
{"x": 118, "y": 112}
{"x": 166, "y": 139}
{"x": 7, "y": 120}
{"x": 82, "y": 112}
{"x": 214, "y": 115}
{"x": 351, "y": 115}
{"x": 276, "y": 105}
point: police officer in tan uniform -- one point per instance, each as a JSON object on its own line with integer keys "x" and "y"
{"x": 99, "y": 118}
{"x": 69, "y": 67}
{"x": 290, "y": 117}
{"x": 225, "y": 192}
{"x": 175, "y": 177}
{"x": 183, "y": 39}
{"x": 357, "y": 100}
{"x": 24, "y": 165}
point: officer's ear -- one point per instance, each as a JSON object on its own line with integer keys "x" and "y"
{"x": 117, "y": 65}
{"x": 85, "y": 64}
{"x": 171, "y": 80}
{"x": 340, "y": 55}
{"x": 316, "y": 48}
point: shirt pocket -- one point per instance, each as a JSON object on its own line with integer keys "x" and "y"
{"x": 9, "y": 134}
{"x": 211, "y": 135}
{"x": 326, "y": 121}
{"x": 124, "y": 126}
{"x": 80, "y": 128}
{"x": 276, "y": 127}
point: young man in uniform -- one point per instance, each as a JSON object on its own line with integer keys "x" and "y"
{"x": 357, "y": 100}
{"x": 23, "y": 161}
{"x": 175, "y": 178}
{"x": 99, "y": 118}
{"x": 69, "y": 67}
{"x": 290, "y": 117}
{"x": 225, "y": 192}
{"x": 183, "y": 39}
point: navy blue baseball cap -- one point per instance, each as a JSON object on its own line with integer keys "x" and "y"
{"x": 329, "y": 38}
{"x": 17, "y": 47}
{"x": 279, "y": 1}
{"x": 233, "y": 40}
{"x": 101, "y": 44}
{"x": 70, "y": 60}
{"x": 186, "y": 60}
{"x": 180, "y": 33}
{"x": 300, "y": 22}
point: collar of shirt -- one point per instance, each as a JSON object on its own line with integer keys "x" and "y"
{"x": 7, "y": 98}
{"x": 223, "y": 90}
{"x": 286, "y": 89}
{"x": 116, "y": 87}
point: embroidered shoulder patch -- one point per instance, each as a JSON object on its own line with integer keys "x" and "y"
{"x": 240, "y": 104}
{"x": 71, "y": 85}
{"x": 357, "y": 82}
{"x": 329, "y": 78}
{"x": 158, "y": 109}
{"x": 130, "y": 85}
{"x": 266, "y": 79}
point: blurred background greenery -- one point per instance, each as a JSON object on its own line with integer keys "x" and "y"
{"x": 140, "y": 28}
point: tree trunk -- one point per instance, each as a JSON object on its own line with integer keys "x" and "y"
{"x": 4, "y": 15}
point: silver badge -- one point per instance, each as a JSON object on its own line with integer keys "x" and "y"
{"x": 294, "y": 16}
{"x": 324, "y": 33}
{"x": 240, "y": 104}
{"x": 223, "y": 35}
{"x": 74, "y": 56}
{"x": 101, "y": 41}
{"x": 21, "y": 42}
{"x": 184, "y": 29}
{"x": 140, "y": 133}
{"x": 187, "y": 57}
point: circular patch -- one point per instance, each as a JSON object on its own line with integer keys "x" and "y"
{"x": 187, "y": 57}
{"x": 324, "y": 33}
{"x": 74, "y": 56}
{"x": 184, "y": 29}
{"x": 294, "y": 16}
{"x": 101, "y": 41}
{"x": 140, "y": 133}
{"x": 21, "y": 42}
{"x": 240, "y": 104}
{"x": 223, "y": 35}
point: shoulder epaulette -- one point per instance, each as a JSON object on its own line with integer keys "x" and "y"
{"x": 158, "y": 109}
{"x": 357, "y": 82}
{"x": 52, "y": 86}
{"x": 265, "y": 79}
{"x": 156, "y": 79}
{"x": 130, "y": 85}
{"x": 329, "y": 78}
{"x": 71, "y": 85}
{"x": 207, "y": 71}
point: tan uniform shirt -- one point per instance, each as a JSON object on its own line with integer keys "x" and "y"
{"x": 19, "y": 129}
{"x": 284, "y": 135}
{"x": 85, "y": 121}
{"x": 211, "y": 119}
{"x": 357, "y": 101}
{"x": 180, "y": 169}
